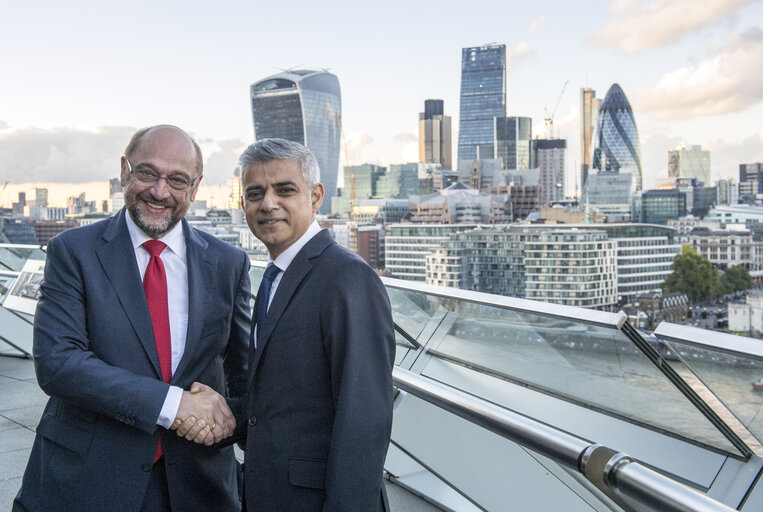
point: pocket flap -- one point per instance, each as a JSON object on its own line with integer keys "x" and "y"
{"x": 310, "y": 473}
{"x": 64, "y": 434}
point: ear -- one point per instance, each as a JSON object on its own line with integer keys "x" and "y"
{"x": 124, "y": 173}
{"x": 196, "y": 188}
{"x": 316, "y": 197}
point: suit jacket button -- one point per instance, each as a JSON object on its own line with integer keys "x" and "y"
{"x": 252, "y": 421}
{"x": 146, "y": 467}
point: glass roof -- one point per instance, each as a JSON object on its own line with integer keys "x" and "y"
{"x": 13, "y": 257}
{"x": 728, "y": 368}
{"x": 581, "y": 356}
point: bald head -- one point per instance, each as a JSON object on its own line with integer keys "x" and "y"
{"x": 141, "y": 134}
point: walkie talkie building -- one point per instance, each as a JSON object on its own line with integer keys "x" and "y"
{"x": 304, "y": 106}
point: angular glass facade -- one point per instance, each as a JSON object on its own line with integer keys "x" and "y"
{"x": 304, "y": 106}
{"x": 513, "y": 137}
{"x": 483, "y": 97}
{"x": 617, "y": 143}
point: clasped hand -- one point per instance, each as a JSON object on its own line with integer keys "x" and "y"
{"x": 203, "y": 416}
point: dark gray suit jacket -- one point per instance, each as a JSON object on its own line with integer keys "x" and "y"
{"x": 95, "y": 355}
{"x": 319, "y": 408}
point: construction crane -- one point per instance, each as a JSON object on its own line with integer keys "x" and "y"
{"x": 3, "y": 191}
{"x": 550, "y": 118}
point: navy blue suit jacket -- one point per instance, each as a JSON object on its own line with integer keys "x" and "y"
{"x": 96, "y": 357}
{"x": 318, "y": 413}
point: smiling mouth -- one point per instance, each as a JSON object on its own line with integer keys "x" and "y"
{"x": 270, "y": 222}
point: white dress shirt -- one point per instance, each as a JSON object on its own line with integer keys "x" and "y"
{"x": 284, "y": 259}
{"x": 176, "y": 268}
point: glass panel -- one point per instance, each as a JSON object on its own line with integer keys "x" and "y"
{"x": 13, "y": 258}
{"x": 735, "y": 379}
{"x": 255, "y": 276}
{"x": 412, "y": 311}
{"x": 591, "y": 365}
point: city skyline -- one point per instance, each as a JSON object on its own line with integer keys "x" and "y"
{"x": 75, "y": 87}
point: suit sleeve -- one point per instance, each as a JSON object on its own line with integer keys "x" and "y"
{"x": 237, "y": 357}
{"x": 65, "y": 365}
{"x": 359, "y": 340}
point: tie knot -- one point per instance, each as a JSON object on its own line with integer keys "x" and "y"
{"x": 271, "y": 272}
{"x": 154, "y": 247}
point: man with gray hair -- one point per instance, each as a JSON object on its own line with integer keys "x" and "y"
{"x": 317, "y": 417}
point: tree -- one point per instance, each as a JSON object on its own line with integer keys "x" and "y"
{"x": 693, "y": 275}
{"x": 736, "y": 279}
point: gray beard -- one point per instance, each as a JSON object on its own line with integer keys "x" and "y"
{"x": 137, "y": 217}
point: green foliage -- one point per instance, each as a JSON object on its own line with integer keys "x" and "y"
{"x": 736, "y": 279}
{"x": 693, "y": 275}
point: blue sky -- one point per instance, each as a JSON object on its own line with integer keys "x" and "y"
{"x": 78, "y": 77}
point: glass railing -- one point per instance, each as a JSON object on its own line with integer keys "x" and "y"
{"x": 726, "y": 369}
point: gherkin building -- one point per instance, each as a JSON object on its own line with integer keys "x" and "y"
{"x": 617, "y": 146}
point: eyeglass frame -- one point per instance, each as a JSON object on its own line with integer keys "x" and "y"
{"x": 147, "y": 172}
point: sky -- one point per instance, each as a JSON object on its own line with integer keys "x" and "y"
{"x": 77, "y": 78}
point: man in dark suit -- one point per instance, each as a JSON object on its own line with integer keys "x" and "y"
{"x": 134, "y": 310}
{"x": 318, "y": 413}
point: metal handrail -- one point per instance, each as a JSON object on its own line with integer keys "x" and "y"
{"x": 620, "y": 477}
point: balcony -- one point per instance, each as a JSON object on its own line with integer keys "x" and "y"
{"x": 511, "y": 404}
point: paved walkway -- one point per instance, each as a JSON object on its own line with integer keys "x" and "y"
{"x": 21, "y": 404}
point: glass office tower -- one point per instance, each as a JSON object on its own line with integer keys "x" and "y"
{"x": 483, "y": 97}
{"x": 513, "y": 140}
{"x": 589, "y": 111}
{"x": 617, "y": 143}
{"x": 305, "y": 106}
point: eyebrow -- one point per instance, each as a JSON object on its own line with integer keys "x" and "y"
{"x": 274, "y": 185}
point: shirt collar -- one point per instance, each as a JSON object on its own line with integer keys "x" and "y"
{"x": 174, "y": 239}
{"x": 284, "y": 259}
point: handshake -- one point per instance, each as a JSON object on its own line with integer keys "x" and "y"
{"x": 203, "y": 416}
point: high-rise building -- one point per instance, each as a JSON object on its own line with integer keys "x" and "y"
{"x": 304, "y": 106}
{"x": 41, "y": 197}
{"x": 550, "y": 159}
{"x": 689, "y": 162}
{"x": 752, "y": 173}
{"x": 617, "y": 147}
{"x": 235, "y": 193}
{"x": 660, "y": 206}
{"x": 483, "y": 97}
{"x": 512, "y": 143}
{"x": 589, "y": 112}
{"x": 435, "y": 135}
{"x": 115, "y": 185}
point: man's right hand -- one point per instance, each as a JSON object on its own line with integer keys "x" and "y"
{"x": 203, "y": 416}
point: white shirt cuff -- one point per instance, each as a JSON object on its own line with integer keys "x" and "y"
{"x": 170, "y": 407}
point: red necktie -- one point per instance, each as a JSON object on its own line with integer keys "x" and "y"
{"x": 155, "y": 286}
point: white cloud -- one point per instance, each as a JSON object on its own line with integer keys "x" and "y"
{"x": 62, "y": 154}
{"x": 538, "y": 23}
{"x": 521, "y": 51}
{"x": 633, "y": 28}
{"x": 3, "y": 125}
{"x": 66, "y": 155}
{"x": 725, "y": 81}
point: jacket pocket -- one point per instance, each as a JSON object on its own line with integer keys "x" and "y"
{"x": 310, "y": 473}
{"x": 65, "y": 435}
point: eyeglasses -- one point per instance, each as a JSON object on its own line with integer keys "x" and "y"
{"x": 149, "y": 177}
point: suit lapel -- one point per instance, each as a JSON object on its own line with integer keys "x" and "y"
{"x": 201, "y": 281}
{"x": 298, "y": 269}
{"x": 117, "y": 258}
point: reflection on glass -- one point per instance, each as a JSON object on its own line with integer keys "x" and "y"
{"x": 412, "y": 311}
{"x": 13, "y": 258}
{"x": 730, "y": 378}
{"x": 590, "y": 365}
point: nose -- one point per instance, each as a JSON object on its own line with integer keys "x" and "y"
{"x": 269, "y": 201}
{"x": 161, "y": 190}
